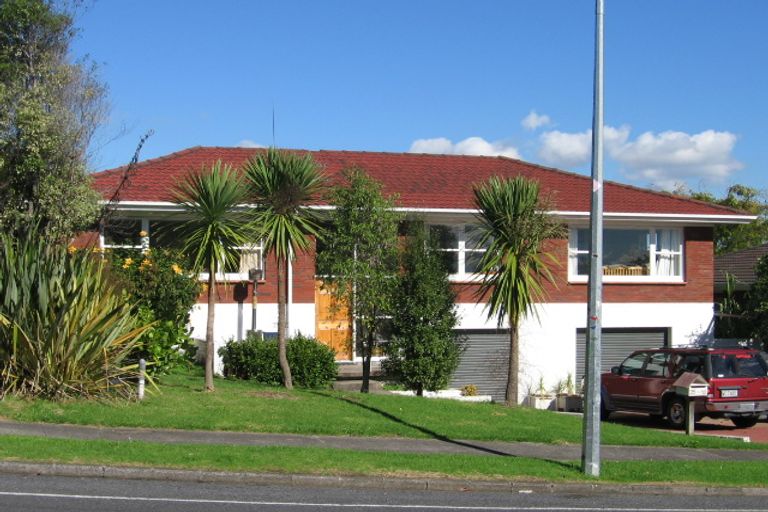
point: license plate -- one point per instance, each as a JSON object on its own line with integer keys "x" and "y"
{"x": 729, "y": 393}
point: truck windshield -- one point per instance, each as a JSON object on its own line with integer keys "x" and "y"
{"x": 738, "y": 365}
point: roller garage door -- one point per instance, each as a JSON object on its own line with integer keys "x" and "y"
{"x": 484, "y": 362}
{"x": 618, "y": 343}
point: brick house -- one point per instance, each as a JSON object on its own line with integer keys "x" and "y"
{"x": 658, "y": 259}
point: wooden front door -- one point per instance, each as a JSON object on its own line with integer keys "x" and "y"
{"x": 333, "y": 325}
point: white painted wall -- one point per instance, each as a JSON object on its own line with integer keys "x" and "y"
{"x": 302, "y": 319}
{"x": 547, "y": 346}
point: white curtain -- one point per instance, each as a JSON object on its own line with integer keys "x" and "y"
{"x": 668, "y": 251}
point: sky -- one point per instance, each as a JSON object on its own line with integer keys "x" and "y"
{"x": 686, "y": 81}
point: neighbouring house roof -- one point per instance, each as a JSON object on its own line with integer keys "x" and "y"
{"x": 740, "y": 264}
{"x": 422, "y": 181}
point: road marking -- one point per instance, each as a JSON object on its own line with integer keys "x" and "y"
{"x": 366, "y": 505}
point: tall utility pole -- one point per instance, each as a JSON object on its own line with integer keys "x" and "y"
{"x": 590, "y": 454}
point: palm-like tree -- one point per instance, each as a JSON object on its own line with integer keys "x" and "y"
{"x": 213, "y": 231}
{"x": 282, "y": 183}
{"x": 513, "y": 226}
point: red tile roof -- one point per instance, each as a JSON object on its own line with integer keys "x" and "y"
{"x": 421, "y": 180}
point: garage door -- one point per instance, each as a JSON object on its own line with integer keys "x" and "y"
{"x": 617, "y": 344}
{"x": 484, "y": 362}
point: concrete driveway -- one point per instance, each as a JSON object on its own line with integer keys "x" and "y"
{"x": 707, "y": 426}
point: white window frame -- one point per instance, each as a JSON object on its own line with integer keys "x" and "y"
{"x": 230, "y": 277}
{"x": 462, "y": 249}
{"x": 143, "y": 244}
{"x": 653, "y": 252}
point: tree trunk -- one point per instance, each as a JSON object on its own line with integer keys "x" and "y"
{"x": 367, "y": 352}
{"x": 420, "y": 390}
{"x": 210, "y": 353}
{"x": 510, "y": 396}
{"x": 282, "y": 305}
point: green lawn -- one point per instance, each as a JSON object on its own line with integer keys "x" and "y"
{"x": 350, "y": 462}
{"x": 241, "y": 406}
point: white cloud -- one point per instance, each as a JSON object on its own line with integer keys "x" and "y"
{"x": 247, "y": 143}
{"x": 573, "y": 149}
{"x": 663, "y": 160}
{"x": 534, "y": 120}
{"x": 468, "y": 146}
{"x": 668, "y": 158}
{"x": 565, "y": 149}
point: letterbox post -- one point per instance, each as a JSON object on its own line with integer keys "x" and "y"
{"x": 690, "y": 406}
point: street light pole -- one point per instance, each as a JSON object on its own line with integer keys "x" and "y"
{"x": 590, "y": 455}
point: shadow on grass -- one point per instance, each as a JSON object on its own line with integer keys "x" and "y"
{"x": 431, "y": 433}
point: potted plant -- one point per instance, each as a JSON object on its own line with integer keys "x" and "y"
{"x": 567, "y": 398}
{"x": 540, "y": 398}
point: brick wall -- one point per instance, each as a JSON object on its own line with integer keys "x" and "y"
{"x": 696, "y": 287}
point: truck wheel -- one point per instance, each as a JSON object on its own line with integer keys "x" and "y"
{"x": 604, "y": 412}
{"x": 744, "y": 421}
{"x": 676, "y": 412}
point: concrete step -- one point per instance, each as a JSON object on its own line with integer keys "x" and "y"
{"x": 374, "y": 386}
{"x": 353, "y": 371}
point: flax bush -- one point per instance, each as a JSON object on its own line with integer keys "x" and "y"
{"x": 65, "y": 330}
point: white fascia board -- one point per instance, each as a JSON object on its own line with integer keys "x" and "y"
{"x": 679, "y": 218}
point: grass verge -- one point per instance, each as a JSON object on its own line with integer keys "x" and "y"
{"x": 321, "y": 461}
{"x": 242, "y": 406}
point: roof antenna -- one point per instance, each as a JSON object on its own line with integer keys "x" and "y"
{"x": 273, "y": 125}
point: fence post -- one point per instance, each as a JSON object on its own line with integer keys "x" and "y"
{"x": 142, "y": 372}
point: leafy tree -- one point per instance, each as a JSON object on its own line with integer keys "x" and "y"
{"x": 213, "y": 231}
{"x": 424, "y": 350}
{"x": 514, "y": 225}
{"x": 282, "y": 183}
{"x": 359, "y": 262}
{"x": 757, "y": 304}
{"x": 729, "y": 238}
{"x": 49, "y": 109}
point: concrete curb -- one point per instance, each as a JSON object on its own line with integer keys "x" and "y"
{"x": 365, "y": 482}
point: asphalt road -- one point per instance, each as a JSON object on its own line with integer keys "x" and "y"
{"x": 26, "y": 493}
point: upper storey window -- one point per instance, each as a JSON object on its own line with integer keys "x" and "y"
{"x": 459, "y": 245}
{"x": 630, "y": 254}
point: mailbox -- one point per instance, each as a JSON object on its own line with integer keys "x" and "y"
{"x": 691, "y": 385}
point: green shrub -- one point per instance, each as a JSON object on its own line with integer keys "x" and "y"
{"x": 312, "y": 363}
{"x": 162, "y": 293}
{"x": 424, "y": 350}
{"x": 66, "y": 330}
{"x": 158, "y": 280}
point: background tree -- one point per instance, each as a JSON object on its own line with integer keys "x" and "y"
{"x": 213, "y": 231}
{"x": 359, "y": 261}
{"x": 49, "y": 109}
{"x": 756, "y": 308}
{"x": 282, "y": 183}
{"x": 729, "y": 238}
{"x": 424, "y": 350}
{"x": 514, "y": 226}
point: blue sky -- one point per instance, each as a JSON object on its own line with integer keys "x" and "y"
{"x": 686, "y": 95}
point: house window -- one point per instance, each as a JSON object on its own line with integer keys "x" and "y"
{"x": 122, "y": 233}
{"x": 630, "y": 254}
{"x": 460, "y": 248}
